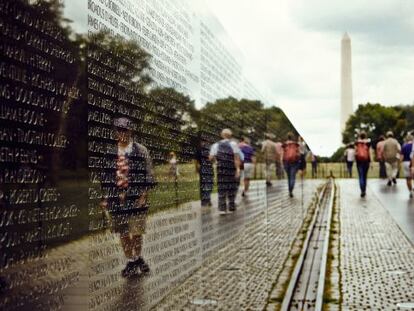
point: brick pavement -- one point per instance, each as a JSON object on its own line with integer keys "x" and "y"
{"x": 375, "y": 270}
{"x": 196, "y": 256}
{"x": 240, "y": 275}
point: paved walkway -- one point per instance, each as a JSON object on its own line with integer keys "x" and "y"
{"x": 240, "y": 275}
{"x": 376, "y": 258}
{"x": 397, "y": 202}
{"x": 199, "y": 260}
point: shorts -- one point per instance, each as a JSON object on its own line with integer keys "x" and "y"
{"x": 248, "y": 171}
{"x": 406, "y": 169}
{"x": 134, "y": 224}
{"x": 269, "y": 168}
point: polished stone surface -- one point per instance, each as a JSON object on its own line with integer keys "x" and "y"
{"x": 198, "y": 259}
{"x": 397, "y": 202}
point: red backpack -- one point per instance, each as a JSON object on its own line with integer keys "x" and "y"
{"x": 361, "y": 151}
{"x": 291, "y": 152}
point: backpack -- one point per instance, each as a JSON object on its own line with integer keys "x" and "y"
{"x": 361, "y": 151}
{"x": 225, "y": 155}
{"x": 291, "y": 152}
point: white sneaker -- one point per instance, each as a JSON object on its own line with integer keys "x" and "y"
{"x": 222, "y": 213}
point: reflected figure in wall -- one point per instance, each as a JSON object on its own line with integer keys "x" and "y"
{"x": 270, "y": 156}
{"x": 248, "y": 163}
{"x": 173, "y": 172}
{"x": 128, "y": 208}
{"x": 279, "y": 160}
{"x": 226, "y": 153}
{"x": 303, "y": 150}
{"x": 204, "y": 168}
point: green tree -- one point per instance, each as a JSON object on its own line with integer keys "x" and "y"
{"x": 407, "y": 114}
{"x": 178, "y": 106}
{"x": 376, "y": 120}
{"x": 247, "y": 117}
{"x": 278, "y": 123}
{"x": 338, "y": 155}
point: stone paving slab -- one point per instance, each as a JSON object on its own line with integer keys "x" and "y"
{"x": 195, "y": 255}
{"x": 397, "y": 202}
{"x": 258, "y": 254}
{"x": 376, "y": 258}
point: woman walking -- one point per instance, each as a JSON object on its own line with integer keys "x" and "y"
{"x": 363, "y": 159}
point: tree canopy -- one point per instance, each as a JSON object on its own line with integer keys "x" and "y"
{"x": 247, "y": 118}
{"x": 377, "y": 119}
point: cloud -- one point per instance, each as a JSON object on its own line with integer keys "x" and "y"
{"x": 76, "y": 10}
{"x": 292, "y": 52}
{"x": 384, "y": 22}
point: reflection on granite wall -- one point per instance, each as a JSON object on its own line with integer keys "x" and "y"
{"x": 192, "y": 52}
{"x": 107, "y": 171}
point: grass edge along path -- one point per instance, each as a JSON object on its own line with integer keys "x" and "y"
{"x": 332, "y": 299}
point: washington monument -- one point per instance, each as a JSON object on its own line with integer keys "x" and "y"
{"x": 346, "y": 80}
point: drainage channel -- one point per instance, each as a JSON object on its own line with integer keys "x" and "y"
{"x": 306, "y": 287}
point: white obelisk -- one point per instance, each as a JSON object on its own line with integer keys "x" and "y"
{"x": 346, "y": 80}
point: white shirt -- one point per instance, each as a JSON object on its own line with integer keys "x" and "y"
{"x": 350, "y": 154}
{"x": 233, "y": 144}
{"x": 124, "y": 151}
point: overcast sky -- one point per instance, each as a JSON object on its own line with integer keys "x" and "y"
{"x": 291, "y": 51}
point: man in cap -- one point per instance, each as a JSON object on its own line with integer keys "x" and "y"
{"x": 269, "y": 150}
{"x": 279, "y": 160}
{"x": 128, "y": 208}
{"x": 391, "y": 155}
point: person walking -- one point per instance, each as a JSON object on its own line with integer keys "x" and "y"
{"x": 238, "y": 178}
{"x": 127, "y": 210}
{"x": 392, "y": 150}
{"x": 270, "y": 155}
{"x": 314, "y": 161}
{"x": 226, "y": 154}
{"x": 291, "y": 158}
{"x": 279, "y": 160}
{"x": 248, "y": 163}
{"x": 363, "y": 160}
{"x": 406, "y": 155}
{"x": 379, "y": 150}
{"x": 173, "y": 171}
{"x": 349, "y": 156}
{"x": 205, "y": 170}
{"x": 303, "y": 151}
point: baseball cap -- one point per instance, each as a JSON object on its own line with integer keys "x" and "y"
{"x": 123, "y": 123}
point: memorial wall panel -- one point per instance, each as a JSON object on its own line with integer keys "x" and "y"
{"x": 111, "y": 173}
